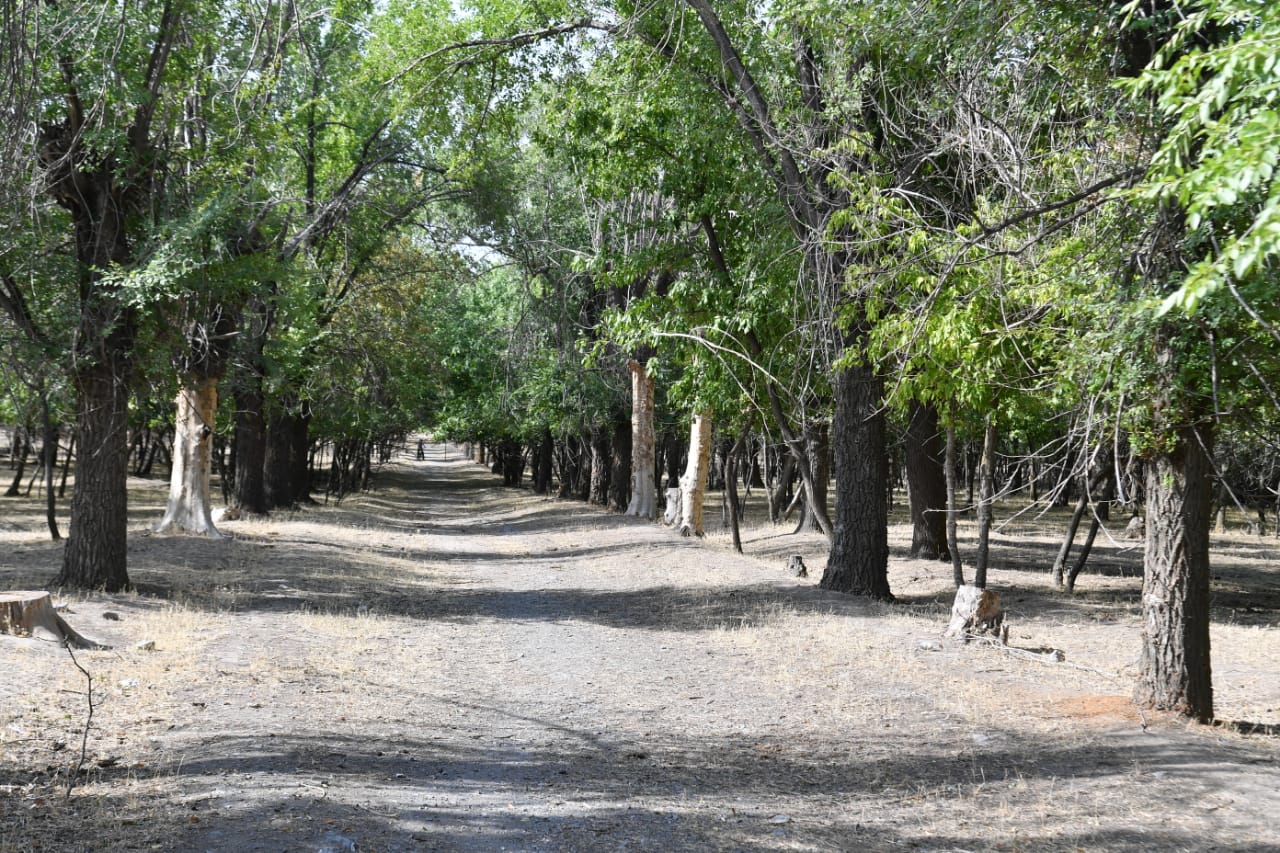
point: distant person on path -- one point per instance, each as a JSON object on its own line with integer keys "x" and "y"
{"x": 422, "y": 449}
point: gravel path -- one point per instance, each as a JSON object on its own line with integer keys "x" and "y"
{"x": 449, "y": 665}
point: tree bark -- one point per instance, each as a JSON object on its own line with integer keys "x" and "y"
{"x": 250, "y": 446}
{"x": 50, "y": 463}
{"x": 620, "y": 467}
{"x": 96, "y": 551}
{"x": 644, "y": 491}
{"x": 600, "y": 459}
{"x": 986, "y": 502}
{"x": 190, "y": 508}
{"x": 693, "y": 485}
{"x": 859, "y": 558}
{"x": 1174, "y": 671}
{"x": 953, "y": 544}
{"x": 546, "y": 457}
{"x": 817, "y": 443}
{"x": 926, "y": 484}
{"x": 731, "y": 490}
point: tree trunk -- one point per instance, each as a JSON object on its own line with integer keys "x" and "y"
{"x": 599, "y": 494}
{"x": 50, "y": 463}
{"x": 986, "y": 502}
{"x": 926, "y": 484}
{"x": 620, "y": 467}
{"x": 859, "y": 558}
{"x": 953, "y": 512}
{"x": 731, "y": 490}
{"x": 1064, "y": 550}
{"x": 693, "y": 485}
{"x": 96, "y": 551}
{"x": 1174, "y": 673}
{"x": 189, "y": 507}
{"x": 781, "y": 494}
{"x": 546, "y": 457}
{"x": 817, "y": 443}
{"x": 278, "y": 462}
{"x": 644, "y": 491}
{"x": 250, "y": 447}
{"x": 1099, "y": 514}
{"x": 19, "y": 448}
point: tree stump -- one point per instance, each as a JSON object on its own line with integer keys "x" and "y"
{"x": 27, "y": 613}
{"x": 976, "y": 611}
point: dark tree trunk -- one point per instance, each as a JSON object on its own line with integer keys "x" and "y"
{"x": 250, "y": 447}
{"x": 599, "y": 491}
{"x": 1099, "y": 515}
{"x": 546, "y": 457}
{"x": 96, "y": 550}
{"x": 278, "y": 464}
{"x": 859, "y": 558}
{"x": 1174, "y": 673}
{"x": 927, "y": 484}
{"x": 18, "y": 458}
{"x": 731, "y": 490}
{"x": 620, "y": 473}
{"x": 300, "y": 457}
{"x": 50, "y": 463}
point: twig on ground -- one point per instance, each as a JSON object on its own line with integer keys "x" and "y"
{"x": 88, "y": 720}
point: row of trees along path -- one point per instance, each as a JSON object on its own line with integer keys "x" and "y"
{"x": 448, "y": 664}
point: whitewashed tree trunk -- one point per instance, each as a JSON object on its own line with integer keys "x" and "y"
{"x": 189, "y": 505}
{"x": 693, "y": 485}
{"x": 644, "y": 492}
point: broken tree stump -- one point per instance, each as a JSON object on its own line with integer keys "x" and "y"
{"x": 976, "y": 612}
{"x": 30, "y": 613}
{"x": 796, "y": 566}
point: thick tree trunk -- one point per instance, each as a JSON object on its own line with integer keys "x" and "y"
{"x": 986, "y": 502}
{"x": 620, "y": 465}
{"x": 250, "y": 447}
{"x": 277, "y": 466}
{"x": 599, "y": 494}
{"x": 190, "y": 507}
{"x": 644, "y": 491}
{"x": 1174, "y": 672}
{"x": 926, "y": 484}
{"x": 859, "y": 558}
{"x": 96, "y": 551}
{"x": 693, "y": 484}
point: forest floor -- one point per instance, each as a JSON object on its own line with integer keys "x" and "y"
{"x": 445, "y": 664}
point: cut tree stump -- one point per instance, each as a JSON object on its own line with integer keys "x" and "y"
{"x": 28, "y": 613}
{"x": 977, "y": 612}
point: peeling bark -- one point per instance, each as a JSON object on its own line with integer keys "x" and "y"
{"x": 693, "y": 485}
{"x": 189, "y": 508}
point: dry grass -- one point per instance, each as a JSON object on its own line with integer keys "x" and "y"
{"x": 444, "y": 664}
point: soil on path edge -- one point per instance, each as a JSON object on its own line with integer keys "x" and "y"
{"x": 445, "y": 664}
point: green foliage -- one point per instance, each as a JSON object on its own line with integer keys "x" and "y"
{"x": 1221, "y": 144}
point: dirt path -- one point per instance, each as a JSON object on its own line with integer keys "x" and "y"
{"x": 449, "y": 665}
